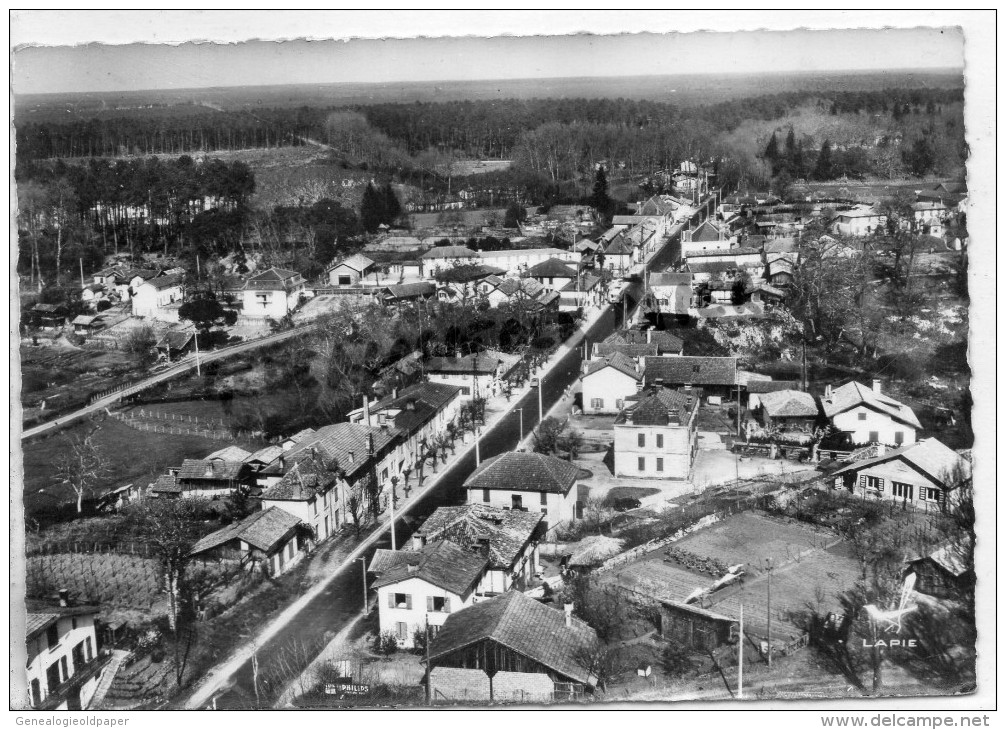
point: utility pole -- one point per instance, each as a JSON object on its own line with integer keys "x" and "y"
{"x": 391, "y": 502}
{"x": 541, "y": 380}
{"x": 195, "y": 337}
{"x": 769, "y": 566}
{"x": 429, "y": 689}
{"x": 740, "y": 657}
{"x": 81, "y": 273}
{"x": 478, "y": 454}
{"x": 520, "y": 412}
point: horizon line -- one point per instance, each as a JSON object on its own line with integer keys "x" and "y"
{"x": 795, "y": 72}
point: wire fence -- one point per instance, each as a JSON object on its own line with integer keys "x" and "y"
{"x": 181, "y": 426}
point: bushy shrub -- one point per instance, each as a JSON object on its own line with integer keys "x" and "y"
{"x": 386, "y": 643}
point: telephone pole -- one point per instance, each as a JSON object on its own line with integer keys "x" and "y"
{"x": 740, "y": 657}
{"x": 363, "y": 566}
{"x": 769, "y": 567}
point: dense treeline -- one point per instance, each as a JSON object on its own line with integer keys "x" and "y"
{"x": 485, "y": 128}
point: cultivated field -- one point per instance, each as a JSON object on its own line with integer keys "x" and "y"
{"x": 107, "y": 579}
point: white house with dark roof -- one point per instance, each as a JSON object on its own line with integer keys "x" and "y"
{"x": 921, "y": 474}
{"x": 508, "y": 537}
{"x": 312, "y": 494}
{"x": 608, "y": 381}
{"x": 866, "y": 415}
{"x": 416, "y": 588}
{"x": 787, "y": 409}
{"x": 273, "y": 293}
{"x": 271, "y": 537}
{"x": 483, "y": 373}
{"x": 656, "y": 435}
{"x": 715, "y": 375}
{"x": 523, "y": 480}
{"x": 154, "y": 298}
{"x": 64, "y": 666}
{"x": 707, "y": 236}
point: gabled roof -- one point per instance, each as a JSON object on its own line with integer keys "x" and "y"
{"x": 265, "y": 455}
{"x": 385, "y": 560}
{"x": 929, "y": 456}
{"x": 852, "y": 395}
{"x": 84, "y": 319}
{"x": 611, "y": 346}
{"x": 483, "y": 363}
{"x": 692, "y": 370}
{"x": 205, "y": 469}
{"x": 526, "y": 472}
{"x": 620, "y": 245}
{"x": 664, "y": 340}
{"x": 770, "y": 386}
{"x": 735, "y": 251}
{"x": 164, "y": 282}
{"x": 952, "y": 557}
{"x": 229, "y": 453}
{"x": 620, "y": 362}
{"x": 471, "y": 526}
{"x": 417, "y": 405}
{"x": 663, "y": 407}
{"x": 524, "y": 626}
{"x": 356, "y": 262}
{"x": 443, "y": 564}
{"x": 42, "y": 614}
{"x": 263, "y": 530}
{"x": 788, "y": 404}
{"x": 711, "y": 267}
{"x": 450, "y": 252}
{"x": 176, "y": 340}
{"x": 410, "y": 291}
{"x": 707, "y": 231}
{"x": 165, "y": 484}
{"x": 552, "y": 268}
{"x": 274, "y": 279}
{"x": 339, "y": 440}
{"x": 303, "y": 482}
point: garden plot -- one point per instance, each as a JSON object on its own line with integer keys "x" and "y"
{"x": 107, "y": 579}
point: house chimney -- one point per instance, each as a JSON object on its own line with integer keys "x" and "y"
{"x": 827, "y": 392}
{"x": 352, "y": 457}
{"x": 282, "y": 462}
{"x": 382, "y": 419}
{"x": 394, "y": 393}
{"x": 876, "y": 386}
{"x": 366, "y": 410}
{"x": 413, "y": 567}
{"x": 64, "y": 597}
{"x": 567, "y": 609}
{"x": 370, "y": 444}
{"x": 649, "y": 336}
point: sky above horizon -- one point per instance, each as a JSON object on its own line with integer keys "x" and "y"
{"x": 102, "y": 67}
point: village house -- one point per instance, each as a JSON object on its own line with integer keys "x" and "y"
{"x": 656, "y": 436}
{"x": 515, "y": 262}
{"x": 521, "y": 480}
{"x": 741, "y": 257}
{"x": 619, "y": 254}
{"x": 705, "y": 237}
{"x": 509, "y": 538}
{"x": 608, "y": 381}
{"x": 271, "y": 538}
{"x": 176, "y": 343}
{"x": 212, "y": 477}
{"x": 420, "y": 588}
{"x": 930, "y": 217}
{"x": 350, "y": 271}
{"x": 48, "y": 316}
{"x": 86, "y": 325}
{"x": 868, "y": 416}
{"x": 716, "y": 271}
{"x": 396, "y": 294}
{"x": 862, "y": 220}
{"x": 482, "y": 374}
{"x": 310, "y": 492}
{"x": 788, "y": 410}
{"x": 779, "y": 270}
{"x": 755, "y": 389}
{"x": 945, "y": 573}
{"x": 158, "y": 298}
{"x": 717, "y": 376}
{"x": 671, "y": 291}
{"x": 64, "y": 664}
{"x": 513, "y": 648}
{"x": 274, "y": 293}
{"x": 419, "y": 413}
{"x": 584, "y": 292}
{"x": 922, "y": 474}
{"x": 441, "y": 258}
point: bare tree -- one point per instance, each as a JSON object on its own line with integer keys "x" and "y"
{"x": 81, "y": 465}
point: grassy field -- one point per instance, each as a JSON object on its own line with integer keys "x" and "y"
{"x": 132, "y": 456}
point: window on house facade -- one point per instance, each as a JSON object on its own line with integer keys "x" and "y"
{"x": 314, "y": 507}
{"x": 544, "y": 511}
{"x": 516, "y": 501}
{"x": 641, "y": 463}
{"x": 660, "y": 440}
{"x": 930, "y": 494}
{"x": 861, "y": 416}
{"x": 402, "y": 630}
{"x": 52, "y": 636}
{"x": 36, "y": 693}
{"x": 438, "y": 604}
{"x": 400, "y": 600}
{"x": 641, "y": 440}
{"x": 874, "y": 436}
{"x": 596, "y": 403}
{"x": 485, "y": 496}
{"x": 384, "y": 474}
{"x": 901, "y": 490}
{"x": 89, "y": 650}
{"x": 52, "y": 677}
{"x": 899, "y": 438}
{"x": 874, "y": 483}
{"x": 619, "y": 403}
{"x": 660, "y": 464}
{"x": 64, "y": 667}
